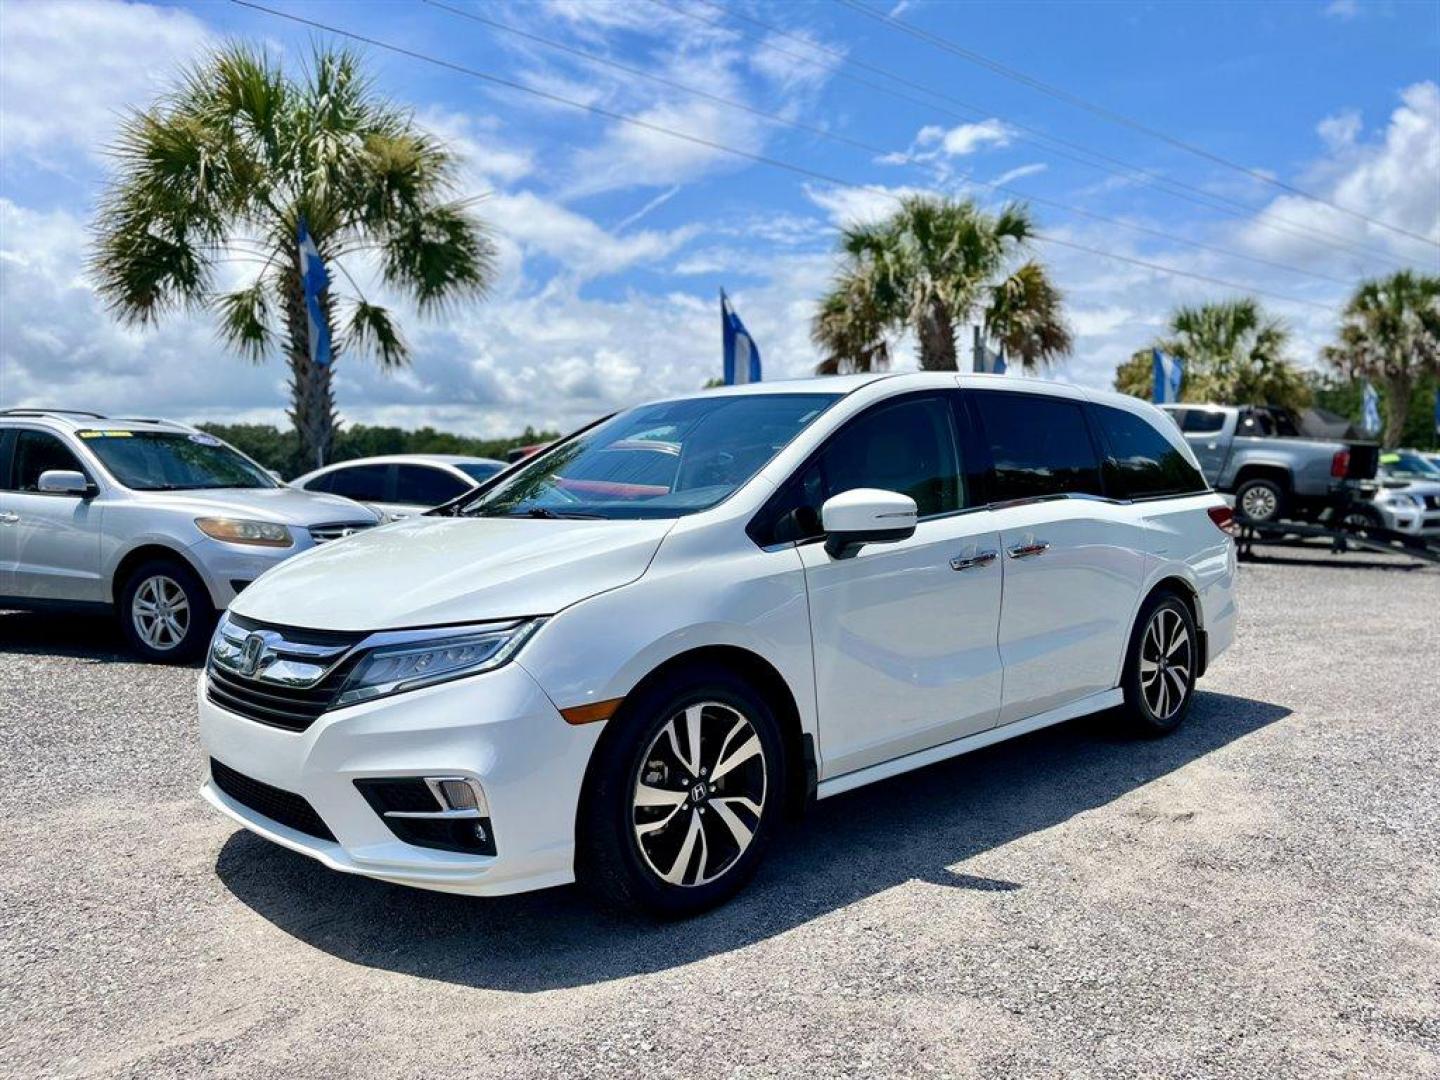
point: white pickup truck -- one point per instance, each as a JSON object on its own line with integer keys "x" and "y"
{"x": 1260, "y": 455}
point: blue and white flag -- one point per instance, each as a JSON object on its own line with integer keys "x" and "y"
{"x": 1370, "y": 410}
{"x": 315, "y": 280}
{"x": 742, "y": 355}
{"x": 1169, "y": 374}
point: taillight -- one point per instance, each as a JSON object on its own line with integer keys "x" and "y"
{"x": 1340, "y": 464}
{"x": 1224, "y": 519}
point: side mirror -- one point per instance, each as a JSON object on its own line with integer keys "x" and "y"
{"x": 866, "y": 516}
{"x": 64, "y": 482}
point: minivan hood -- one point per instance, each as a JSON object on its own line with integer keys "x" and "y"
{"x": 282, "y": 504}
{"x": 433, "y": 571}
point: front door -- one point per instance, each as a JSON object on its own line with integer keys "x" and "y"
{"x": 55, "y": 538}
{"x": 903, "y": 633}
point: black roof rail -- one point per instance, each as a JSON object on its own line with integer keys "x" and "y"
{"x": 137, "y": 419}
{"x": 52, "y": 412}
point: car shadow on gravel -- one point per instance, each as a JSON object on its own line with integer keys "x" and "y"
{"x": 848, "y": 847}
{"x": 83, "y": 637}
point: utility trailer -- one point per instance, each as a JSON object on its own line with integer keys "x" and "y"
{"x": 1343, "y": 535}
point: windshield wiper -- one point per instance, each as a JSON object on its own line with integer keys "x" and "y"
{"x": 550, "y": 515}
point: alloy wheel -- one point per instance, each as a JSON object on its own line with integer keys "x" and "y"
{"x": 160, "y": 612}
{"x": 1259, "y": 503}
{"x": 1165, "y": 662}
{"x": 699, "y": 794}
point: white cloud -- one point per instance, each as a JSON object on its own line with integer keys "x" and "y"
{"x": 933, "y": 143}
{"x": 69, "y": 68}
{"x": 1345, "y": 10}
{"x": 1020, "y": 172}
{"x": 1392, "y": 179}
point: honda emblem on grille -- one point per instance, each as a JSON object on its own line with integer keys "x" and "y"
{"x": 251, "y": 653}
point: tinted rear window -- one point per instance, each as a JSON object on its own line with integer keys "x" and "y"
{"x": 1200, "y": 421}
{"x": 1039, "y": 446}
{"x": 1140, "y": 462}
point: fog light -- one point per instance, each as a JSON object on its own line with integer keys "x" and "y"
{"x": 459, "y": 795}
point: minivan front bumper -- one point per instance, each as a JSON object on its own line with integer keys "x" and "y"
{"x": 498, "y": 729}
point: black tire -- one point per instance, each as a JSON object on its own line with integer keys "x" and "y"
{"x": 195, "y": 620}
{"x": 1149, "y": 709}
{"x": 1361, "y": 519}
{"x": 1260, "y": 499}
{"x": 622, "y": 870}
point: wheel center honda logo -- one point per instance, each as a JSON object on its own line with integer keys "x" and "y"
{"x": 697, "y": 793}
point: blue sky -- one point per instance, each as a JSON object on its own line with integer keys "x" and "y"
{"x": 615, "y": 240}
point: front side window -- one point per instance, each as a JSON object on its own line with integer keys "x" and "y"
{"x": 1039, "y": 446}
{"x": 38, "y": 452}
{"x": 907, "y": 446}
{"x": 656, "y": 461}
{"x": 420, "y": 485}
{"x": 364, "y": 483}
{"x": 1140, "y": 461}
{"x": 173, "y": 461}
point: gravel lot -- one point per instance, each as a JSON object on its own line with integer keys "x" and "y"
{"x": 1258, "y": 895}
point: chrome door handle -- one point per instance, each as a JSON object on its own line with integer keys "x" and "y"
{"x": 7, "y": 518}
{"x": 1026, "y": 551}
{"x": 984, "y": 558}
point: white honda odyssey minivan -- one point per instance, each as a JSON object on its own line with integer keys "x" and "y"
{"x": 625, "y": 661}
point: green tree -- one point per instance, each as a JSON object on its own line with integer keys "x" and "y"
{"x": 225, "y": 166}
{"x": 1390, "y": 333}
{"x": 932, "y": 266}
{"x": 1233, "y": 352}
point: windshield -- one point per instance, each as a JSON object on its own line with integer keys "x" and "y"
{"x": 655, "y": 461}
{"x": 479, "y": 470}
{"x": 173, "y": 461}
{"x": 1408, "y": 466}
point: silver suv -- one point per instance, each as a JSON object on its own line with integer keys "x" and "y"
{"x": 156, "y": 521}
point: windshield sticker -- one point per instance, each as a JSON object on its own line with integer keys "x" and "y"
{"x": 105, "y": 434}
{"x": 205, "y": 440}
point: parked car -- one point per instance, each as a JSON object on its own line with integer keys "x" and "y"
{"x": 399, "y": 485}
{"x": 1409, "y": 497}
{"x": 629, "y": 683}
{"x": 1259, "y": 455}
{"x": 155, "y": 521}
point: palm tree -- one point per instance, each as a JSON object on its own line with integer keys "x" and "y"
{"x": 929, "y": 268}
{"x": 224, "y": 168}
{"x": 1390, "y": 332}
{"x": 1233, "y": 352}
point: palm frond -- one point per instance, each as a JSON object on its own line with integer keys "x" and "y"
{"x": 371, "y": 330}
{"x": 437, "y": 254}
{"x": 246, "y": 319}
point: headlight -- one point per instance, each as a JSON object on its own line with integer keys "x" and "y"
{"x": 1407, "y": 502}
{"x": 235, "y": 531}
{"x": 410, "y": 659}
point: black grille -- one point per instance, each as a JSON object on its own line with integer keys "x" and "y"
{"x": 284, "y": 807}
{"x": 323, "y": 534}
{"x": 291, "y": 708}
{"x": 1432, "y": 502}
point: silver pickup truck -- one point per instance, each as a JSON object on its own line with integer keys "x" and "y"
{"x": 1264, "y": 459}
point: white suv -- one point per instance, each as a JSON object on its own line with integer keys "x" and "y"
{"x": 792, "y": 590}
{"x": 156, "y": 521}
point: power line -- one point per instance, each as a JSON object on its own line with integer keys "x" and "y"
{"x": 698, "y": 140}
{"x": 1116, "y": 166}
{"x": 834, "y": 136}
{"x": 1069, "y": 98}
